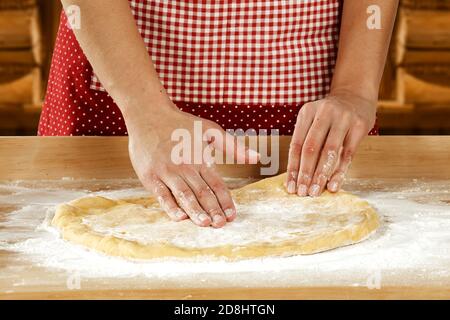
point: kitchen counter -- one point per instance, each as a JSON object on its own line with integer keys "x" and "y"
{"x": 405, "y": 178}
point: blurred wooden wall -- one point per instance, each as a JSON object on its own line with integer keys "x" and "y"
{"x": 418, "y": 71}
{"x": 27, "y": 33}
{"x": 50, "y": 13}
{"x": 414, "y": 94}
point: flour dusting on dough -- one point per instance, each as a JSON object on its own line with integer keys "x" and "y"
{"x": 412, "y": 246}
{"x": 262, "y": 221}
{"x": 270, "y": 222}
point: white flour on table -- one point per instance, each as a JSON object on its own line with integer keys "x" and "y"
{"x": 412, "y": 245}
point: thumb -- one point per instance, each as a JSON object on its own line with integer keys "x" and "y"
{"x": 231, "y": 145}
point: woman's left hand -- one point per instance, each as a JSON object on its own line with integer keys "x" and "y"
{"x": 325, "y": 139}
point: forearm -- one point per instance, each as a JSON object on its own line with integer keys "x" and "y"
{"x": 111, "y": 41}
{"x": 362, "y": 51}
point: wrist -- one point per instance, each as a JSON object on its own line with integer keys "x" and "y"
{"x": 148, "y": 116}
{"x": 368, "y": 95}
{"x": 149, "y": 111}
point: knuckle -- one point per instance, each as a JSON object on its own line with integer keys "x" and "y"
{"x": 330, "y": 148}
{"x": 347, "y": 154}
{"x": 295, "y": 146}
{"x": 345, "y": 117}
{"x": 339, "y": 176}
{"x": 204, "y": 191}
{"x": 310, "y": 147}
{"x": 306, "y": 107}
{"x": 360, "y": 123}
{"x": 327, "y": 104}
{"x": 184, "y": 193}
{"x": 205, "y": 170}
{"x": 165, "y": 200}
{"x": 306, "y": 110}
{"x": 329, "y": 157}
{"x": 165, "y": 197}
{"x": 218, "y": 186}
{"x": 186, "y": 169}
{"x": 291, "y": 171}
{"x": 304, "y": 177}
{"x": 158, "y": 187}
{"x": 321, "y": 178}
{"x": 292, "y": 174}
{"x": 214, "y": 211}
{"x": 150, "y": 176}
{"x": 325, "y": 108}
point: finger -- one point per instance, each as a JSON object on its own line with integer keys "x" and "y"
{"x": 205, "y": 196}
{"x": 302, "y": 126}
{"x": 229, "y": 144}
{"x": 328, "y": 159}
{"x": 351, "y": 142}
{"x": 221, "y": 191}
{"x": 312, "y": 146}
{"x": 186, "y": 199}
{"x": 166, "y": 200}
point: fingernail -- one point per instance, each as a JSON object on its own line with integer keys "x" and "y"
{"x": 229, "y": 213}
{"x": 302, "y": 190}
{"x": 333, "y": 186}
{"x": 217, "y": 219}
{"x": 203, "y": 217}
{"x": 291, "y": 187}
{"x": 314, "y": 191}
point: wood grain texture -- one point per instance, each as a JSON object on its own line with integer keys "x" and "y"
{"x": 426, "y": 29}
{"x": 102, "y": 157}
{"x": 20, "y": 85}
{"x": 107, "y": 157}
{"x": 17, "y": 4}
{"x": 422, "y": 89}
{"x": 426, "y": 4}
{"x": 21, "y": 56}
{"x": 19, "y": 119}
{"x": 19, "y": 29}
{"x": 403, "y": 118}
{"x": 302, "y": 293}
{"x": 407, "y": 56}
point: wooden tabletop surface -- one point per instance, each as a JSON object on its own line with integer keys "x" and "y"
{"x": 106, "y": 158}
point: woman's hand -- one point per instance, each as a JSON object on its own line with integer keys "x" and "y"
{"x": 183, "y": 190}
{"x": 326, "y": 136}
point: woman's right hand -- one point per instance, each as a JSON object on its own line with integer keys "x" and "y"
{"x": 186, "y": 190}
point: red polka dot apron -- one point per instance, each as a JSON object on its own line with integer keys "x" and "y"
{"x": 247, "y": 64}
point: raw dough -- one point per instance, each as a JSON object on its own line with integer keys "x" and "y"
{"x": 270, "y": 222}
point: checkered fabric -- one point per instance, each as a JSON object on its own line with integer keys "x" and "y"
{"x": 269, "y": 52}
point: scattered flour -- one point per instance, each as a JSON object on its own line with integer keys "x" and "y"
{"x": 411, "y": 247}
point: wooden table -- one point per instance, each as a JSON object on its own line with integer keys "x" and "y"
{"x": 41, "y": 159}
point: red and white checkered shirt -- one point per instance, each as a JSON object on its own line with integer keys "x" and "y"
{"x": 248, "y": 52}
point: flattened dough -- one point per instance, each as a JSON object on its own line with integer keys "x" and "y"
{"x": 270, "y": 222}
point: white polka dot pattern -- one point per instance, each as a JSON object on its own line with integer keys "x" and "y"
{"x": 71, "y": 107}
